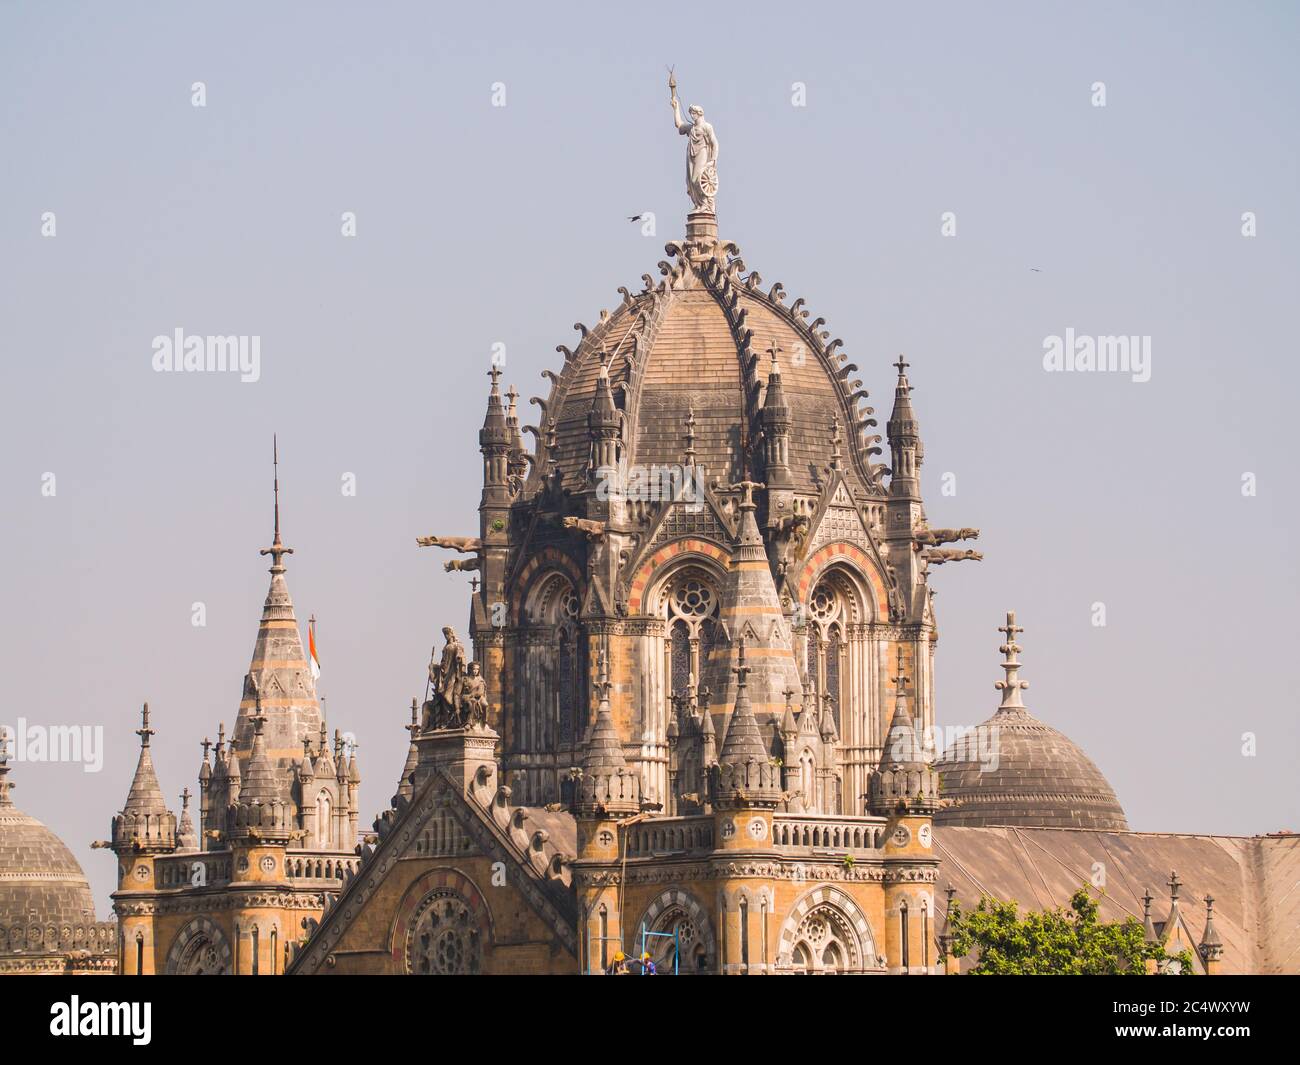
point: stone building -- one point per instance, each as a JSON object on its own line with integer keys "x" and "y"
{"x": 698, "y": 716}
{"x": 277, "y": 822}
{"x": 47, "y": 913}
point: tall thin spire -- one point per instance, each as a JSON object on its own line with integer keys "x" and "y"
{"x": 277, "y": 549}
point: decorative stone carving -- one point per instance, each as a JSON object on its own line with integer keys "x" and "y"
{"x": 701, "y": 152}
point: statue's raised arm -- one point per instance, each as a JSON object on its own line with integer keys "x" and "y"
{"x": 701, "y": 152}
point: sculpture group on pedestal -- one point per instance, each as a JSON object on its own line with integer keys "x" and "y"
{"x": 458, "y": 693}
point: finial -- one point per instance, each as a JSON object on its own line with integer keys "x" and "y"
{"x": 789, "y": 694}
{"x": 207, "y": 746}
{"x": 259, "y": 718}
{"x": 512, "y": 394}
{"x": 144, "y": 731}
{"x": 740, "y": 669}
{"x": 221, "y": 736}
{"x": 773, "y": 350}
{"x": 1147, "y": 899}
{"x": 1012, "y": 685}
{"x": 414, "y": 726}
{"x": 602, "y": 684}
{"x": 1174, "y": 885}
{"x": 185, "y": 799}
{"x": 495, "y": 374}
{"x": 473, "y": 585}
{"x": 900, "y": 678}
{"x": 902, "y": 365}
{"x": 747, "y": 503}
{"x": 277, "y": 550}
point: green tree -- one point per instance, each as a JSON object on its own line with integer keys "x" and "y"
{"x": 1055, "y": 942}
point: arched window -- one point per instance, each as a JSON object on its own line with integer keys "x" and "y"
{"x": 834, "y": 658}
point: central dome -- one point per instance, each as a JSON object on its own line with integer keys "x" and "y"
{"x": 688, "y": 362}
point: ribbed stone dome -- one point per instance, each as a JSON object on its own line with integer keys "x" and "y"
{"x": 1043, "y": 779}
{"x": 1016, "y": 770}
{"x": 695, "y": 345}
{"x": 40, "y": 880}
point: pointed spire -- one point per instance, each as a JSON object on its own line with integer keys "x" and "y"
{"x": 145, "y": 794}
{"x": 494, "y": 440}
{"x": 603, "y": 424}
{"x": 901, "y": 747}
{"x": 279, "y": 672}
{"x": 904, "y": 435}
{"x": 261, "y": 784}
{"x": 776, "y": 427}
{"x": 604, "y": 748}
{"x": 145, "y": 823}
{"x": 1175, "y": 885}
{"x": 1211, "y": 945}
{"x": 743, "y": 741}
{"x": 905, "y": 776}
{"x": 1148, "y": 926}
{"x": 406, "y": 787}
{"x": 606, "y": 784}
{"x": 186, "y": 838}
{"x": 745, "y": 775}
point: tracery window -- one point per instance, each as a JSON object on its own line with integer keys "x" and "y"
{"x": 824, "y": 943}
{"x": 691, "y": 609}
{"x": 825, "y": 652}
{"x": 445, "y": 938}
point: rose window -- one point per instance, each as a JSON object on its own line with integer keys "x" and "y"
{"x": 444, "y": 939}
{"x": 693, "y": 598}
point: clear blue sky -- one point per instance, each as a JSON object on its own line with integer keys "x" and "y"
{"x": 479, "y": 225}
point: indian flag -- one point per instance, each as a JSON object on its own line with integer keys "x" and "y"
{"x": 313, "y": 661}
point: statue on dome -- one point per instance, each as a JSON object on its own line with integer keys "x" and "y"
{"x": 701, "y": 152}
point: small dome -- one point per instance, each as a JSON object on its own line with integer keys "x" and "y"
{"x": 40, "y": 880}
{"x": 1016, "y": 770}
{"x": 1043, "y": 780}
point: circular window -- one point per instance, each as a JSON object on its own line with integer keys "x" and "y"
{"x": 693, "y": 598}
{"x": 444, "y": 939}
{"x": 824, "y": 604}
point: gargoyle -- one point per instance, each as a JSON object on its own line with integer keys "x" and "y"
{"x": 463, "y": 544}
{"x": 937, "y": 556}
{"x": 935, "y": 537}
{"x": 463, "y": 565}
{"x": 595, "y": 530}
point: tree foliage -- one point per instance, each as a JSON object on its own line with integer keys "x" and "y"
{"x": 1056, "y": 942}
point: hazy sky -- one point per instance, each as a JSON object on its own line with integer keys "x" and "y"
{"x": 479, "y": 224}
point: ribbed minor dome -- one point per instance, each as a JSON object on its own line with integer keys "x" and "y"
{"x": 696, "y": 343}
{"x": 40, "y": 880}
{"x": 1015, "y": 770}
{"x": 1043, "y": 779}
